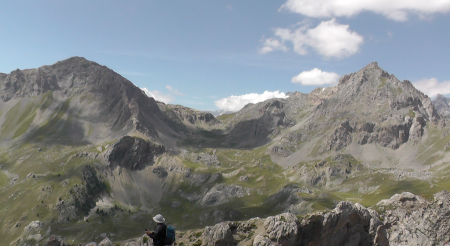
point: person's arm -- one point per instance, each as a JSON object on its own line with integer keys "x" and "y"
{"x": 159, "y": 233}
{"x": 149, "y": 233}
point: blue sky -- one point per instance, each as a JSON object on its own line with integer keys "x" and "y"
{"x": 201, "y": 53}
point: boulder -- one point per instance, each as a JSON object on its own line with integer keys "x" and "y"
{"x": 105, "y": 242}
{"x": 218, "y": 235}
{"x": 282, "y": 228}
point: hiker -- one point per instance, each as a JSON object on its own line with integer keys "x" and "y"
{"x": 159, "y": 234}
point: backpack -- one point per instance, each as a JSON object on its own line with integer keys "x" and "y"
{"x": 170, "y": 235}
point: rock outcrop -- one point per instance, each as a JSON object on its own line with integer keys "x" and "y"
{"x": 82, "y": 198}
{"x": 218, "y": 235}
{"x": 412, "y": 220}
{"x": 133, "y": 153}
{"x": 221, "y": 194}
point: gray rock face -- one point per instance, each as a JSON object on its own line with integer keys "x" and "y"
{"x": 282, "y": 229}
{"x": 221, "y": 193}
{"x": 412, "y": 220}
{"x": 218, "y": 235}
{"x": 133, "y": 153}
{"x": 262, "y": 241}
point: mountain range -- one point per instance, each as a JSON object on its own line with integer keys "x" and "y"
{"x": 85, "y": 154}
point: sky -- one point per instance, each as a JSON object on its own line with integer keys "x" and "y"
{"x": 212, "y": 55}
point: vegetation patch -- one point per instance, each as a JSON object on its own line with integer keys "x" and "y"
{"x": 10, "y": 119}
{"x": 226, "y": 117}
{"x": 24, "y": 125}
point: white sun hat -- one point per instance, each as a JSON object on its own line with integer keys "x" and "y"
{"x": 159, "y": 218}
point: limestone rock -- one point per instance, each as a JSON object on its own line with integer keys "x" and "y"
{"x": 218, "y": 235}
{"x": 221, "y": 193}
{"x": 262, "y": 241}
{"x": 282, "y": 228}
{"x": 105, "y": 242}
{"x": 33, "y": 226}
{"x": 411, "y": 220}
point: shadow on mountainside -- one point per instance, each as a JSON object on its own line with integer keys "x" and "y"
{"x": 59, "y": 131}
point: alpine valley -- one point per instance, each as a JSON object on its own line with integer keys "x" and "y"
{"x": 86, "y": 156}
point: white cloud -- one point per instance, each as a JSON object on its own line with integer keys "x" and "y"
{"x": 235, "y": 103}
{"x": 272, "y": 44}
{"x": 174, "y": 91}
{"x": 329, "y": 39}
{"x": 165, "y": 98}
{"x": 398, "y": 10}
{"x": 316, "y": 77}
{"x": 432, "y": 87}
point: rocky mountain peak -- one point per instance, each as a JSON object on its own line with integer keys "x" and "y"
{"x": 372, "y": 65}
{"x": 441, "y": 103}
{"x": 439, "y": 96}
{"x": 367, "y": 73}
{"x": 370, "y": 106}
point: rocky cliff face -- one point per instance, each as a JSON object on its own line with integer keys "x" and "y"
{"x": 132, "y": 153}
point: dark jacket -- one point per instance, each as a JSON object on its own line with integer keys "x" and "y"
{"x": 160, "y": 234}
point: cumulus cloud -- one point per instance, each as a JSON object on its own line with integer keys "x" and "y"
{"x": 316, "y": 77}
{"x": 235, "y": 103}
{"x": 398, "y": 10}
{"x": 272, "y": 44}
{"x": 432, "y": 87}
{"x": 329, "y": 39}
{"x": 165, "y": 98}
{"x": 174, "y": 91}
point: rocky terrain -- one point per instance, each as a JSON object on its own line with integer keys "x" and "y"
{"x": 85, "y": 155}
